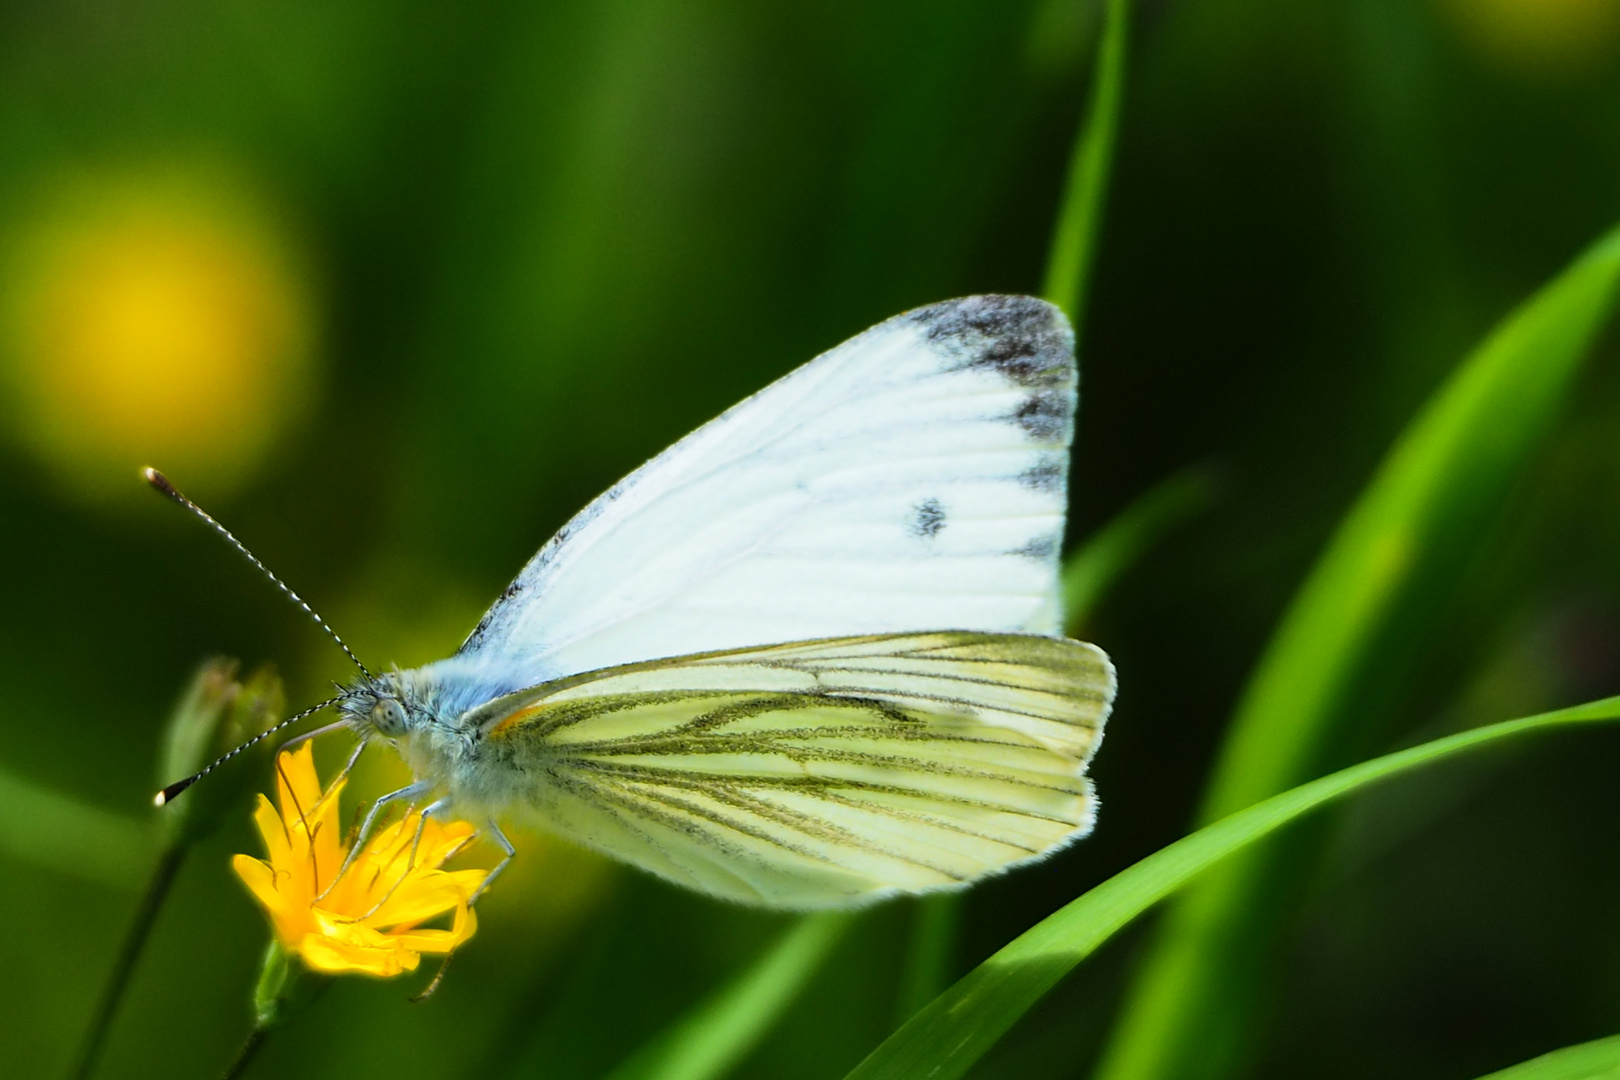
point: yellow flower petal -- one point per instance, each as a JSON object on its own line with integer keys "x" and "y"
{"x": 260, "y": 879}
{"x": 419, "y": 899}
{"x": 297, "y": 769}
{"x": 441, "y": 941}
{"x": 441, "y": 842}
{"x": 334, "y": 957}
{"x": 369, "y": 920}
{"x": 275, "y": 837}
{"x": 328, "y": 849}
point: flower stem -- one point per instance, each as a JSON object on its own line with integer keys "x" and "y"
{"x": 157, "y": 890}
{"x": 250, "y": 1050}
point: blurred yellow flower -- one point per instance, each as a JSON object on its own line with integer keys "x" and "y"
{"x": 1540, "y": 37}
{"x": 369, "y": 920}
{"x": 152, "y": 318}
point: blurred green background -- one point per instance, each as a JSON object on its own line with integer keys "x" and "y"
{"x": 393, "y": 288}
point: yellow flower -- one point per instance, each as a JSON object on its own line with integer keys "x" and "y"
{"x": 368, "y": 920}
{"x": 159, "y": 314}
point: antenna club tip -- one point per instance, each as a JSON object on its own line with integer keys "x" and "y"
{"x": 159, "y": 481}
{"x": 168, "y": 794}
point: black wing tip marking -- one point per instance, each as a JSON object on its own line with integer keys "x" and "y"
{"x": 1027, "y": 340}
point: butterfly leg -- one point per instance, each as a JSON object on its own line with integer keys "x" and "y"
{"x": 410, "y": 863}
{"x": 430, "y": 810}
{"x": 499, "y": 837}
{"x": 409, "y": 791}
{"x": 343, "y": 774}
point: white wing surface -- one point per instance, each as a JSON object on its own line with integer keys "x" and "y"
{"x": 819, "y": 773}
{"x": 913, "y": 478}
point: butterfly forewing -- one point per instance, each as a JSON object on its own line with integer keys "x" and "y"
{"x": 913, "y": 478}
{"x": 820, "y": 773}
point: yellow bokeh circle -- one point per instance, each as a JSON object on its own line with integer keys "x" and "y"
{"x": 1540, "y": 37}
{"x": 153, "y": 319}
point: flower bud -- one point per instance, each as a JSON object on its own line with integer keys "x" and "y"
{"x": 284, "y": 987}
{"x": 215, "y": 714}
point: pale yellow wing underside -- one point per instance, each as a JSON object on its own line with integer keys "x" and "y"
{"x": 819, "y": 773}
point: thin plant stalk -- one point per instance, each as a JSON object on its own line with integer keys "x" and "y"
{"x": 283, "y": 989}
{"x": 214, "y": 713}
{"x": 244, "y": 1057}
{"x": 140, "y": 928}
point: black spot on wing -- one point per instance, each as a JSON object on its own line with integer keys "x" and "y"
{"x": 927, "y": 518}
{"x": 1040, "y": 548}
{"x": 1049, "y": 474}
{"x": 1047, "y": 415}
{"x": 1025, "y": 339}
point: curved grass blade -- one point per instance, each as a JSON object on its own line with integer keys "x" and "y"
{"x": 1597, "y": 1060}
{"x": 1074, "y": 240}
{"x": 1449, "y": 470}
{"x": 954, "y": 1031}
{"x": 1392, "y": 562}
{"x": 708, "y": 1041}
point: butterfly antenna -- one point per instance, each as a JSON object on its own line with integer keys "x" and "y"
{"x": 161, "y": 482}
{"x": 168, "y": 794}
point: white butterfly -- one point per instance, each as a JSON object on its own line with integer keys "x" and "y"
{"x": 809, "y": 655}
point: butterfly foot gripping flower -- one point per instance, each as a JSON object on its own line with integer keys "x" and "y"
{"x": 368, "y": 919}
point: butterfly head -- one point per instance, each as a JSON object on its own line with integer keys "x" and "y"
{"x": 387, "y": 715}
{"x": 379, "y": 707}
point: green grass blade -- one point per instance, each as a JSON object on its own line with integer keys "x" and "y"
{"x": 1074, "y": 241}
{"x": 1597, "y": 1060}
{"x": 1391, "y": 561}
{"x": 927, "y": 970}
{"x": 708, "y": 1041}
{"x": 50, "y": 829}
{"x": 954, "y": 1031}
{"x": 1094, "y": 567}
{"x": 1450, "y": 469}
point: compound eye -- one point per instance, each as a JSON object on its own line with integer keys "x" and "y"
{"x": 388, "y": 717}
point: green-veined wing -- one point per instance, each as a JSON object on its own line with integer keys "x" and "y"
{"x": 818, "y": 773}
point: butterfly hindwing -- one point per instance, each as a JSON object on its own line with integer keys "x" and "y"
{"x": 819, "y": 773}
{"x": 913, "y": 477}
